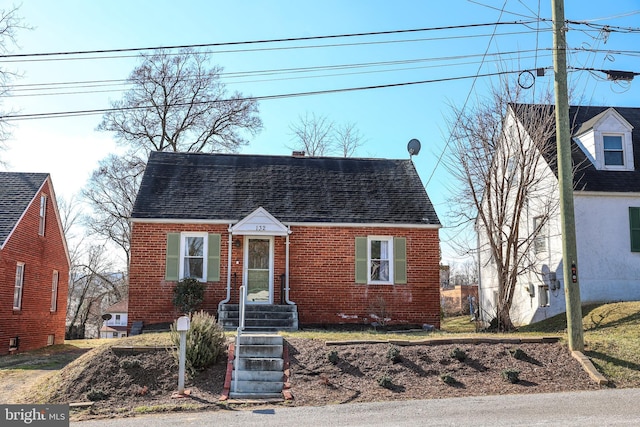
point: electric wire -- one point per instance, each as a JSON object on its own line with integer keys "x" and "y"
{"x": 459, "y": 115}
{"x": 250, "y": 42}
{"x": 31, "y": 116}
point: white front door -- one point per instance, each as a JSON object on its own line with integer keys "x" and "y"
{"x": 258, "y": 269}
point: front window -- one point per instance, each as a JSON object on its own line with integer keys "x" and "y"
{"x": 380, "y": 256}
{"x": 613, "y": 151}
{"x": 193, "y": 253}
{"x": 17, "y": 292}
{"x": 43, "y": 213}
{"x": 117, "y": 319}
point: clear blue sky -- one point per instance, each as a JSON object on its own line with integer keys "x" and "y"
{"x": 69, "y": 148}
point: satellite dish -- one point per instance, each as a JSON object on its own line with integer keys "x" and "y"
{"x": 413, "y": 147}
{"x": 106, "y": 316}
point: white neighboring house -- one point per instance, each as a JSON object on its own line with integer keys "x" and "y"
{"x": 116, "y": 325}
{"x": 606, "y": 158}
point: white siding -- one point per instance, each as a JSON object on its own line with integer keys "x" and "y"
{"x": 608, "y": 270}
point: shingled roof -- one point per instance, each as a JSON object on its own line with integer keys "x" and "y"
{"x": 587, "y": 177}
{"x": 17, "y": 190}
{"x": 189, "y": 186}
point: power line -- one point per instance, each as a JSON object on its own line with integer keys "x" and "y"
{"x": 279, "y": 40}
{"x": 446, "y": 146}
{"x": 16, "y": 117}
{"x": 279, "y": 71}
{"x": 50, "y": 86}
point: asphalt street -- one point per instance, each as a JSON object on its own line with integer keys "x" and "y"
{"x": 611, "y": 407}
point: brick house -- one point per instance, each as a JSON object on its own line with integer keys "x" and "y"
{"x": 332, "y": 240}
{"x": 34, "y": 264}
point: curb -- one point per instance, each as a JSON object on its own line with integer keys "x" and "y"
{"x": 587, "y": 365}
{"x": 443, "y": 341}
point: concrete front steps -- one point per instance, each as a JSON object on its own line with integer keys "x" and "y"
{"x": 260, "y": 317}
{"x": 259, "y": 360}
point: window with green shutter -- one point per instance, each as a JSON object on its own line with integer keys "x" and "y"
{"x": 381, "y": 260}
{"x": 361, "y": 260}
{"x": 172, "y": 257}
{"x": 634, "y": 225}
{"x": 194, "y": 255}
{"x": 400, "y": 260}
{"x": 213, "y": 258}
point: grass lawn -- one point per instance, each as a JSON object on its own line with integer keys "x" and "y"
{"x": 611, "y": 336}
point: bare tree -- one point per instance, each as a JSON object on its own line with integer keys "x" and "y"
{"x": 313, "y": 135}
{"x": 348, "y": 139}
{"x": 94, "y": 284}
{"x": 111, "y": 192}
{"x": 10, "y": 23}
{"x": 499, "y": 164}
{"x": 320, "y": 136}
{"x": 177, "y": 103}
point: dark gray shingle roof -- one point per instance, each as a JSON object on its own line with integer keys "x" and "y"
{"x": 292, "y": 189}
{"x": 17, "y": 189}
{"x": 587, "y": 177}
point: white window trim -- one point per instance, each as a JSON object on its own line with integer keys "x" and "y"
{"x": 205, "y": 250}
{"x": 54, "y": 291}
{"x": 42, "y": 214}
{"x": 19, "y": 284}
{"x": 388, "y": 239}
{"x": 627, "y": 151}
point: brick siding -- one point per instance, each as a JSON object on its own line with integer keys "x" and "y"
{"x": 322, "y": 275}
{"x": 41, "y": 255}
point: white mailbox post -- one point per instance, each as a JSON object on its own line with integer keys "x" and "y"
{"x": 183, "y": 326}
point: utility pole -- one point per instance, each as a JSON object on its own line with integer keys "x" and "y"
{"x": 565, "y": 181}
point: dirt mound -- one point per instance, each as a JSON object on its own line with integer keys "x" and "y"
{"x": 418, "y": 371}
{"x": 126, "y": 384}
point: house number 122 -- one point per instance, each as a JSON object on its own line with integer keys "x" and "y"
{"x": 261, "y": 227}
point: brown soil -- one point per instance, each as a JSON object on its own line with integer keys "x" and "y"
{"x": 146, "y": 381}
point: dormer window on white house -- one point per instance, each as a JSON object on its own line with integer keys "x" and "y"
{"x": 606, "y": 141}
{"x": 613, "y": 150}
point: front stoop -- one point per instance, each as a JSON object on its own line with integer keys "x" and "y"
{"x": 260, "y": 317}
{"x": 260, "y": 368}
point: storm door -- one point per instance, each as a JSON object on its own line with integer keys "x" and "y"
{"x": 258, "y": 271}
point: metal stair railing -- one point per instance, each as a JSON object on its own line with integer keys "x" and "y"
{"x": 241, "y": 316}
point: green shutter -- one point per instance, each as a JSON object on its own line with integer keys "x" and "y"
{"x": 634, "y": 225}
{"x": 361, "y": 260}
{"x": 400, "y": 260}
{"x": 173, "y": 257}
{"x": 213, "y": 258}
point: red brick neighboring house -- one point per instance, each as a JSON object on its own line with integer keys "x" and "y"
{"x": 337, "y": 240}
{"x": 34, "y": 264}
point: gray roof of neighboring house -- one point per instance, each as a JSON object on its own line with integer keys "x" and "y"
{"x": 587, "y": 177}
{"x": 17, "y": 190}
{"x": 121, "y": 306}
{"x": 293, "y": 189}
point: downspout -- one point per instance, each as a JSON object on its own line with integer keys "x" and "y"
{"x": 480, "y": 311}
{"x": 228, "y": 298}
{"x": 286, "y": 267}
